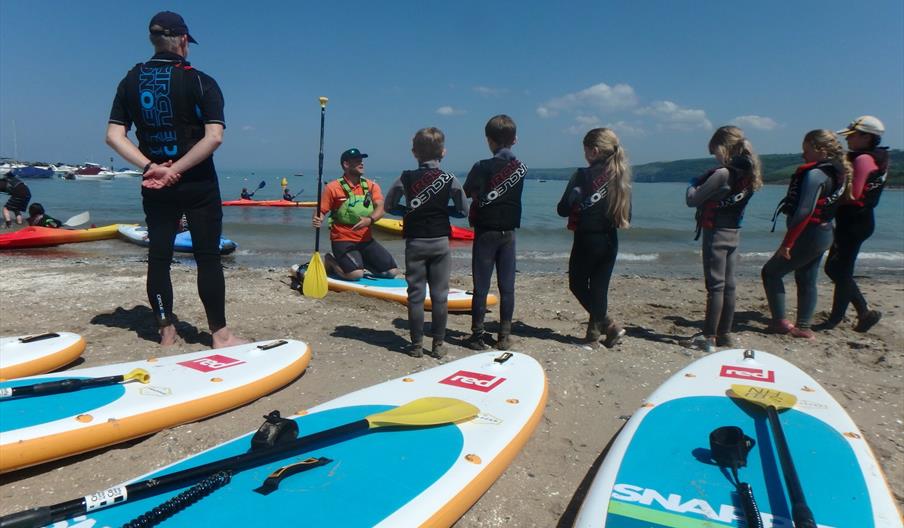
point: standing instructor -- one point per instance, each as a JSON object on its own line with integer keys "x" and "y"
{"x": 178, "y": 116}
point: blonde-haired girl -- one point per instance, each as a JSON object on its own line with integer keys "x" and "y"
{"x": 813, "y": 196}
{"x": 597, "y": 202}
{"x": 720, "y": 197}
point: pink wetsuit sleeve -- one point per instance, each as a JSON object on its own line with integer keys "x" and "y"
{"x": 795, "y": 231}
{"x": 863, "y": 165}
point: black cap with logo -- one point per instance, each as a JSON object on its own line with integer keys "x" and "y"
{"x": 169, "y": 24}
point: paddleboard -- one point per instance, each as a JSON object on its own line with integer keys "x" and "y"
{"x": 183, "y": 244}
{"x": 38, "y": 353}
{"x": 267, "y": 203}
{"x": 390, "y": 477}
{"x": 658, "y": 472}
{"x": 393, "y": 290}
{"x": 394, "y": 226}
{"x": 182, "y": 388}
{"x": 34, "y": 236}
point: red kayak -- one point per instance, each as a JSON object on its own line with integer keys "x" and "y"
{"x": 34, "y": 236}
{"x": 462, "y": 233}
{"x": 267, "y": 203}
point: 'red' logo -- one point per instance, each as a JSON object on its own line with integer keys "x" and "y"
{"x": 473, "y": 381}
{"x": 209, "y": 363}
{"x": 747, "y": 373}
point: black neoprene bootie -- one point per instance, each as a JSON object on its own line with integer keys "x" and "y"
{"x": 505, "y": 331}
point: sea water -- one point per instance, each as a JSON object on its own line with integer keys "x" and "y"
{"x": 660, "y": 241}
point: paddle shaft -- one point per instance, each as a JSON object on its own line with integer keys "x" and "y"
{"x": 49, "y": 514}
{"x": 800, "y": 512}
{"x": 54, "y": 387}
{"x": 320, "y": 174}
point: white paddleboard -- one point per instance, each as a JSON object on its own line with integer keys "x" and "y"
{"x": 182, "y": 243}
{"x": 182, "y": 388}
{"x": 659, "y": 473}
{"x": 38, "y": 353}
{"x": 389, "y": 477}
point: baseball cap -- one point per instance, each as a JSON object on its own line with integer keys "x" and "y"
{"x": 169, "y": 24}
{"x": 867, "y": 123}
{"x": 351, "y": 153}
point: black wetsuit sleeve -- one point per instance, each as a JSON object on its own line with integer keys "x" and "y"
{"x": 211, "y": 101}
{"x": 715, "y": 187}
{"x": 569, "y": 197}
{"x": 474, "y": 182}
{"x": 119, "y": 113}
{"x": 457, "y": 193}
{"x": 393, "y": 205}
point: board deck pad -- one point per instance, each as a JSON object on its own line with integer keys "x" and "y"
{"x": 38, "y": 353}
{"x": 395, "y": 476}
{"x": 182, "y": 388}
{"x": 395, "y": 289}
{"x": 659, "y": 472}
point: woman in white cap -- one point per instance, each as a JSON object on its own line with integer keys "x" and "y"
{"x": 855, "y": 221}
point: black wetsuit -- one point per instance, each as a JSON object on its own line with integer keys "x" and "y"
{"x": 170, "y": 103}
{"x": 19, "y": 193}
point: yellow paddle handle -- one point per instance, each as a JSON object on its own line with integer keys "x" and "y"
{"x": 140, "y": 375}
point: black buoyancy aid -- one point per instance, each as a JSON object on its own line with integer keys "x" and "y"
{"x": 498, "y": 206}
{"x": 729, "y": 211}
{"x": 875, "y": 181}
{"x": 162, "y": 105}
{"x": 826, "y": 204}
{"x": 427, "y": 194}
{"x": 592, "y": 211}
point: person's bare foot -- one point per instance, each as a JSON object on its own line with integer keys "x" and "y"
{"x": 225, "y": 338}
{"x": 168, "y": 335}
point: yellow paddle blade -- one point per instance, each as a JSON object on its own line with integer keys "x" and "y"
{"x": 139, "y": 375}
{"x": 315, "y": 284}
{"x": 323, "y": 101}
{"x": 764, "y": 396}
{"x": 424, "y": 412}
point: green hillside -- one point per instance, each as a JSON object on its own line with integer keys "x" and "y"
{"x": 777, "y": 168}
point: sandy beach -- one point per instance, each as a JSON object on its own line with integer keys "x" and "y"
{"x": 357, "y": 342}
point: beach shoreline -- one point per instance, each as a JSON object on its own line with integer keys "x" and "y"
{"x": 357, "y": 342}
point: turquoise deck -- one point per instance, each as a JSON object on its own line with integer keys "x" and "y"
{"x": 671, "y": 488}
{"x": 17, "y": 413}
{"x": 370, "y": 477}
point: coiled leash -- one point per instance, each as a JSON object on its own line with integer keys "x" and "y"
{"x": 728, "y": 447}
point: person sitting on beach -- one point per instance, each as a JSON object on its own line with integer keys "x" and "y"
{"x": 354, "y": 204}
{"x": 813, "y": 196}
{"x": 37, "y": 217}
{"x": 19, "y": 194}
{"x": 247, "y": 195}
{"x": 720, "y": 197}
{"x": 494, "y": 186}
{"x": 597, "y": 202}
{"x": 855, "y": 220}
{"x": 426, "y": 230}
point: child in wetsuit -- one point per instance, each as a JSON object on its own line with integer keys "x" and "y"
{"x": 37, "y": 217}
{"x": 426, "y": 229}
{"x": 494, "y": 186}
{"x": 720, "y": 197}
{"x": 19, "y": 194}
{"x": 597, "y": 202}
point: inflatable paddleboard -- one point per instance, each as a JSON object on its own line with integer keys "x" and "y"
{"x": 267, "y": 203}
{"x": 388, "y": 477}
{"x": 392, "y": 290}
{"x": 34, "y": 236}
{"x": 394, "y": 226}
{"x": 659, "y": 471}
{"x": 35, "y": 354}
{"x": 139, "y": 235}
{"x": 182, "y": 388}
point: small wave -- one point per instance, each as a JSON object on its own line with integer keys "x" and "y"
{"x": 894, "y": 256}
{"x": 643, "y": 257}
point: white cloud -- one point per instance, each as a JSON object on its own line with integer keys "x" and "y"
{"x": 449, "y": 111}
{"x": 623, "y": 128}
{"x": 597, "y": 97}
{"x": 675, "y": 117}
{"x": 755, "y": 121}
{"x": 583, "y": 123}
{"x": 489, "y": 91}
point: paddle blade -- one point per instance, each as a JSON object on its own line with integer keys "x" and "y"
{"x": 764, "y": 397}
{"x": 262, "y": 184}
{"x": 423, "y": 412}
{"x": 79, "y": 219}
{"x": 323, "y": 101}
{"x": 315, "y": 283}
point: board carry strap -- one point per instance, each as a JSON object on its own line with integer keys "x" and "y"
{"x": 39, "y": 337}
{"x": 728, "y": 447}
{"x": 271, "y": 483}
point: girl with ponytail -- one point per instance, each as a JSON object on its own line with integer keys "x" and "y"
{"x": 815, "y": 191}
{"x": 720, "y": 197}
{"x": 597, "y": 202}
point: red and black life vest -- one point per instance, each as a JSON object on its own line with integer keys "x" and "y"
{"x": 497, "y": 205}
{"x": 729, "y": 211}
{"x": 828, "y": 201}
{"x": 427, "y": 195}
{"x": 591, "y": 213}
{"x": 875, "y": 181}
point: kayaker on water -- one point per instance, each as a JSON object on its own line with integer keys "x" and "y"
{"x": 247, "y": 195}
{"x": 176, "y": 152}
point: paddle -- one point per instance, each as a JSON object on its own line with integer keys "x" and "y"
{"x": 773, "y": 401}
{"x": 260, "y": 186}
{"x": 423, "y": 412}
{"x": 73, "y": 384}
{"x": 79, "y": 219}
{"x": 315, "y": 283}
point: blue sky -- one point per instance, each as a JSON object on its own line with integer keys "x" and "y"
{"x": 662, "y": 74}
